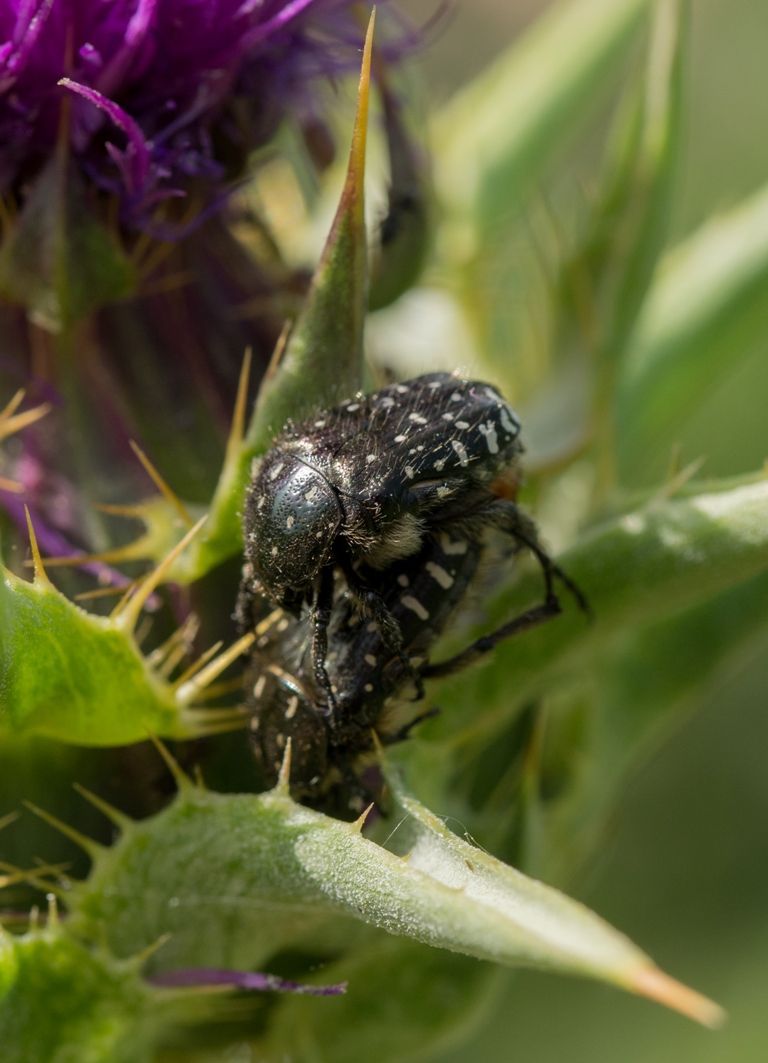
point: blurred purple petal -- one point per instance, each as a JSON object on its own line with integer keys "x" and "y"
{"x": 195, "y": 85}
{"x": 188, "y": 977}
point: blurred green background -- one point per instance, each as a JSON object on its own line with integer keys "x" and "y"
{"x": 685, "y": 868}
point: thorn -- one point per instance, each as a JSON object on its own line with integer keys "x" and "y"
{"x": 118, "y": 510}
{"x": 10, "y": 424}
{"x": 53, "y": 911}
{"x": 114, "y": 815}
{"x": 357, "y": 152}
{"x": 217, "y": 690}
{"x": 88, "y": 845}
{"x": 264, "y": 625}
{"x": 203, "y": 723}
{"x": 201, "y": 661}
{"x": 134, "y": 551}
{"x": 32, "y": 876}
{"x": 147, "y": 953}
{"x": 279, "y": 351}
{"x": 237, "y": 431}
{"x": 359, "y": 823}
{"x": 162, "y": 485}
{"x": 282, "y": 787}
{"x": 12, "y": 405}
{"x": 654, "y": 984}
{"x": 40, "y": 575}
{"x": 168, "y": 654}
{"x": 182, "y": 780}
{"x": 128, "y": 614}
{"x": 106, "y": 592}
{"x": 678, "y": 480}
{"x": 187, "y": 691}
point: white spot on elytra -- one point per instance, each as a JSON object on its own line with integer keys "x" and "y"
{"x": 447, "y": 416}
{"x": 403, "y": 580}
{"x": 320, "y": 424}
{"x": 293, "y": 705}
{"x": 439, "y": 464}
{"x": 400, "y": 439}
{"x": 370, "y": 659}
{"x": 439, "y": 575}
{"x": 273, "y": 551}
{"x": 457, "y": 397}
{"x": 409, "y": 602}
{"x": 410, "y": 472}
{"x": 370, "y": 458}
{"x": 417, "y": 418}
{"x": 275, "y": 471}
{"x": 491, "y": 439}
{"x": 401, "y": 389}
{"x": 290, "y": 521}
{"x": 443, "y": 492}
{"x": 352, "y": 407}
{"x": 453, "y": 546}
{"x": 461, "y": 452}
{"x": 387, "y": 402}
{"x": 508, "y": 421}
{"x": 258, "y": 686}
{"x": 368, "y": 688}
{"x": 462, "y": 424}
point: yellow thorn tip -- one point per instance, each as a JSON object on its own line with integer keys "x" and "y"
{"x": 128, "y": 614}
{"x": 283, "y": 785}
{"x": 654, "y": 984}
{"x": 41, "y": 576}
{"x": 162, "y": 485}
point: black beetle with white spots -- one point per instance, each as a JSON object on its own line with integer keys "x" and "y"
{"x": 344, "y": 509}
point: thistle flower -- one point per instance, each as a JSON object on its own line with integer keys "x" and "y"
{"x": 155, "y": 97}
{"x": 144, "y": 111}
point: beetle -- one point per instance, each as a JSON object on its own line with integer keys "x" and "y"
{"x": 358, "y": 487}
{"x": 374, "y": 688}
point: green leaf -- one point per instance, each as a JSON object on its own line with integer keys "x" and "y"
{"x": 58, "y": 260}
{"x": 705, "y": 312}
{"x": 77, "y": 677}
{"x": 62, "y": 1003}
{"x": 495, "y": 136}
{"x": 210, "y": 867}
{"x": 605, "y": 281}
{"x": 648, "y": 686}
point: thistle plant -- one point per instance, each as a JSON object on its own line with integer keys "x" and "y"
{"x": 156, "y": 901}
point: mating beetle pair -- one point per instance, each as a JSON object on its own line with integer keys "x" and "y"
{"x": 344, "y": 520}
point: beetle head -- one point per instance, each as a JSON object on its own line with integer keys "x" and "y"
{"x": 292, "y": 516}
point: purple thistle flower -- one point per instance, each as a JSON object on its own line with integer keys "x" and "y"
{"x": 159, "y": 95}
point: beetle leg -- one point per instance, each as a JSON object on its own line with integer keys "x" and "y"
{"x": 320, "y": 618}
{"x": 505, "y": 515}
{"x": 530, "y": 618}
{"x": 374, "y": 605}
